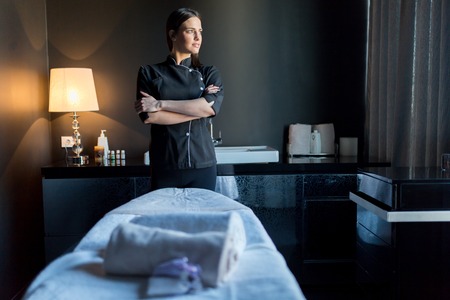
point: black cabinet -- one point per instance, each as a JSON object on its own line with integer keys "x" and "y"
{"x": 73, "y": 205}
{"x": 403, "y": 260}
{"x": 403, "y": 233}
{"x": 277, "y": 202}
{"x": 310, "y": 219}
{"x": 328, "y": 230}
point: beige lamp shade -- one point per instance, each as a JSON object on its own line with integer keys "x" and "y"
{"x": 72, "y": 90}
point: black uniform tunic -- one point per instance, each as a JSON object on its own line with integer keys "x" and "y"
{"x": 186, "y": 145}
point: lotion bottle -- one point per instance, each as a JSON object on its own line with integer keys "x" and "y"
{"x": 316, "y": 143}
{"x": 102, "y": 140}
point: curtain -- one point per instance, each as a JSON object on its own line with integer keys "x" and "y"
{"x": 408, "y": 82}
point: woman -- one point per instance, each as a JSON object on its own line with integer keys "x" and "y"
{"x": 177, "y": 97}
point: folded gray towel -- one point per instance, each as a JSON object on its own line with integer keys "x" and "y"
{"x": 136, "y": 250}
{"x": 299, "y": 139}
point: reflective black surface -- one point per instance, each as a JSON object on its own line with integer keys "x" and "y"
{"x": 407, "y": 174}
{"x": 404, "y": 260}
{"x": 407, "y": 188}
{"x": 137, "y": 168}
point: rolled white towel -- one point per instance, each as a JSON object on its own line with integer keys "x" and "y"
{"x": 195, "y": 222}
{"x": 136, "y": 250}
{"x": 299, "y": 139}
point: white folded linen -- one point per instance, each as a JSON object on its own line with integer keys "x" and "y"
{"x": 136, "y": 250}
{"x": 175, "y": 277}
{"x": 170, "y": 200}
{"x": 227, "y": 186}
{"x": 299, "y": 139}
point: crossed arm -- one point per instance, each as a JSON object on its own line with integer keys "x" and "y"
{"x": 169, "y": 112}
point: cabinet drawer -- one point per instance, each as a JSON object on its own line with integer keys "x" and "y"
{"x": 379, "y": 231}
{"x": 376, "y": 248}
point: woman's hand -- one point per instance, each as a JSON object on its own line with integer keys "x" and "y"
{"x": 147, "y": 104}
{"x": 197, "y": 108}
{"x": 212, "y": 89}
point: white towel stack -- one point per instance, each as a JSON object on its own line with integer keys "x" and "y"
{"x": 326, "y": 136}
{"x": 137, "y": 249}
{"x": 299, "y": 142}
{"x": 299, "y": 139}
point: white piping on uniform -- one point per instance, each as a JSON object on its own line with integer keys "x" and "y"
{"x": 189, "y": 144}
{"x": 190, "y": 122}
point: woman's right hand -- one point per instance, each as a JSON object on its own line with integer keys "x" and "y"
{"x": 212, "y": 89}
{"x": 147, "y": 103}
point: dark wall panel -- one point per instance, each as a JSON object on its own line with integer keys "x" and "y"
{"x": 24, "y": 140}
{"x": 282, "y": 62}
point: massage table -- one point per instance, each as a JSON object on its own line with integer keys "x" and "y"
{"x": 261, "y": 271}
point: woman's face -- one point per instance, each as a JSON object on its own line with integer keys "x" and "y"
{"x": 188, "y": 39}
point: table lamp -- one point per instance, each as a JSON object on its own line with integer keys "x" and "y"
{"x": 73, "y": 90}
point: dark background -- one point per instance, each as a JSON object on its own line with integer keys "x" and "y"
{"x": 282, "y": 62}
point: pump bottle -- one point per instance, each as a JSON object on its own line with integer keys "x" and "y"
{"x": 102, "y": 140}
{"x": 315, "y": 142}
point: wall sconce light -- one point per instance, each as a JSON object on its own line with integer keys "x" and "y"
{"x": 73, "y": 90}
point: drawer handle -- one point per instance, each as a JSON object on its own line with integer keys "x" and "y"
{"x": 402, "y": 216}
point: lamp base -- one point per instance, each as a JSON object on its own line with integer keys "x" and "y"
{"x": 78, "y": 160}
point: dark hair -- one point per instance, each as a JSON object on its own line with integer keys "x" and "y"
{"x": 174, "y": 21}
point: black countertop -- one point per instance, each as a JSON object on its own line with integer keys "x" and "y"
{"x": 398, "y": 175}
{"x": 137, "y": 168}
{"x": 404, "y": 189}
